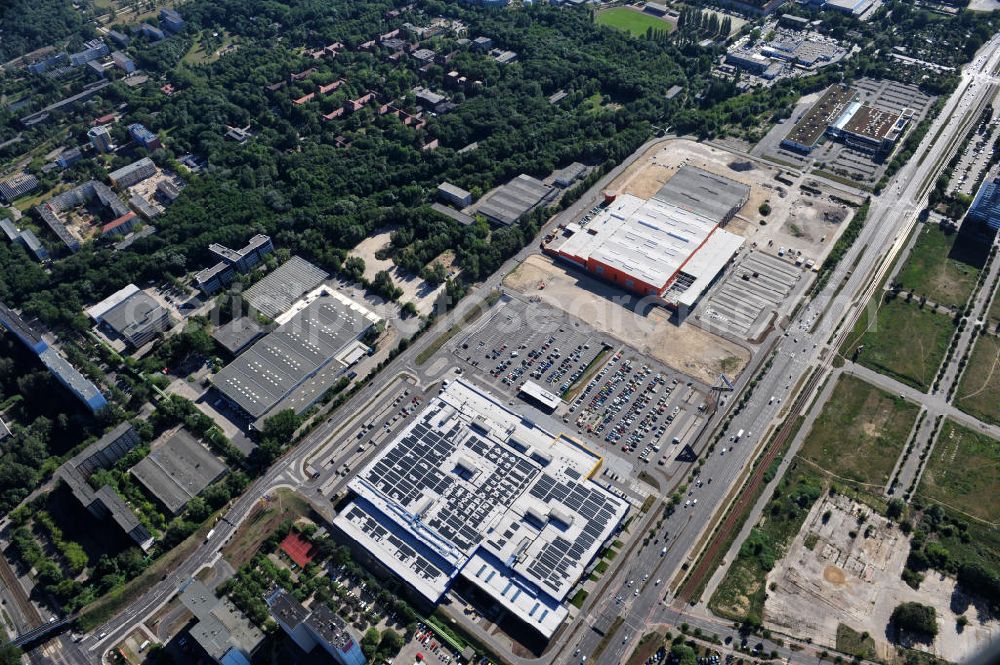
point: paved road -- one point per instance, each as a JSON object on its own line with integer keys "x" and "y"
{"x": 807, "y": 345}
{"x": 894, "y": 210}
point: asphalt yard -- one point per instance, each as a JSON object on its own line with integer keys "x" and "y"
{"x": 749, "y": 295}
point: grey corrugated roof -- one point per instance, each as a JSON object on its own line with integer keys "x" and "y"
{"x": 276, "y": 292}
{"x": 708, "y": 194}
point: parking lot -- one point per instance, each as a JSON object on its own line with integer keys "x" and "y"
{"x": 633, "y": 404}
{"x": 530, "y": 341}
{"x": 744, "y": 303}
{"x": 425, "y": 648}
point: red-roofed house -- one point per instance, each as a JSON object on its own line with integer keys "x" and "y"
{"x": 120, "y": 226}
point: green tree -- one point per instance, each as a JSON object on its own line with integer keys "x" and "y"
{"x": 684, "y": 654}
{"x": 915, "y": 618}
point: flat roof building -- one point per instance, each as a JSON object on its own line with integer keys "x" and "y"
{"x": 471, "y": 488}
{"x": 546, "y": 399}
{"x": 177, "y": 470}
{"x": 321, "y": 334}
{"x": 841, "y": 114}
{"x": 62, "y": 371}
{"x": 450, "y": 193}
{"x": 813, "y": 124}
{"x": 134, "y": 173}
{"x": 238, "y": 334}
{"x": 278, "y": 290}
{"x": 138, "y": 319}
{"x": 710, "y": 195}
{"x": 669, "y": 247}
{"x": 318, "y": 625}
{"x": 232, "y": 261}
{"x": 509, "y": 202}
{"x": 221, "y": 630}
{"x": 105, "y": 502}
{"x": 985, "y": 208}
{"x": 16, "y": 185}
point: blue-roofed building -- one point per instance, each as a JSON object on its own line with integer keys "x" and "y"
{"x": 171, "y": 20}
{"x": 60, "y": 368}
{"x": 31, "y": 242}
{"x": 123, "y": 62}
{"x": 151, "y": 32}
{"x": 92, "y": 50}
{"x": 144, "y": 137}
{"x": 985, "y": 209}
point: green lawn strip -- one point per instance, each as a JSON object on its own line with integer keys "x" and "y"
{"x": 606, "y": 638}
{"x": 861, "y": 432}
{"x": 944, "y": 267}
{"x": 979, "y": 390}
{"x": 740, "y": 595}
{"x": 851, "y": 642}
{"x": 903, "y": 341}
{"x": 964, "y": 471}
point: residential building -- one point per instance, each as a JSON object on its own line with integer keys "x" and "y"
{"x": 171, "y": 20}
{"x": 105, "y": 503}
{"x": 49, "y": 63}
{"x": 100, "y": 138}
{"x": 31, "y": 242}
{"x": 92, "y": 50}
{"x": 121, "y": 225}
{"x": 123, "y": 62}
{"x": 118, "y": 38}
{"x": 318, "y": 625}
{"x": 134, "y": 173}
{"x": 151, "y": 32}
{"x": 144, "y": 137}
{"x": 68, "y": 158}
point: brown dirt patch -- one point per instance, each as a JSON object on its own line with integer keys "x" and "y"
{"x": 834, "y": 575}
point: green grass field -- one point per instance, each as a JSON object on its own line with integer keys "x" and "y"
{"x": 857, "y": 644}
{"x": 904, "y": 342}
{"x": 860, "y": 432}
{"x": 964, "y": 472}
{"x": 943, "y": 266}
{"x": 631, "y": 21}
{"x": 978, "y": 393}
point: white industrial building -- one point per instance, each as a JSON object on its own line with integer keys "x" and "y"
{"x": 473, "y": 489}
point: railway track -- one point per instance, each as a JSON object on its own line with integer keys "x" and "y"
{"x": 16, "y": 592}
{"x": 708, "y": 561}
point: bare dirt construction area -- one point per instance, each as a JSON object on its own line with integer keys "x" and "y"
{"x": 844, "y": 567}
{"x": 685, "y": 348}
{"x": 415, "y": 289}
{"x": 797, "y": 221}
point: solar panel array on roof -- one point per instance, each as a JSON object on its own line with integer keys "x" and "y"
{"x": 459, "y": 492}
{"x": 277, "y": 364}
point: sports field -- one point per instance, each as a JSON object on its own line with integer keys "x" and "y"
{"x": 632, "y": 21}
{"x": 860, "y": 432}
{"x": 901, "y": 340}
{"x": 978, "y": 393}
{"x": 964, "y": 472}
